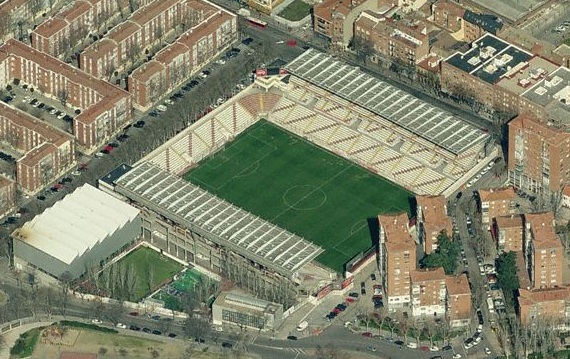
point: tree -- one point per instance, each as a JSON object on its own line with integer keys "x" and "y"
{"x": 330, "y": 351}
{"x": 35, "y": 6}
{"x": 445, "y": 255}
{"x": 363, "y": 47}
{"x": 150, "y": 277}
{"x": 196, "y": 326}
{"x": 102, "y": 351}
{"x": 63, "y": 96}
{"x": 5, "y": 23}
{"x": 507, "y": 277}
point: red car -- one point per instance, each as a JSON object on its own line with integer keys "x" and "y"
{"x": 367, "y": 334}
{"x": 336, "y": 310}
{"x": 424, "y": 348}
{"x": 350, "y": 300}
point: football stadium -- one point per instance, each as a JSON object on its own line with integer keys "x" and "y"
{"x": 292, "y": 168}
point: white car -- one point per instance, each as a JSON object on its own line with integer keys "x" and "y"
{"x": 121, "y": 325}
{"x": 96, "y": 321}
{"x": 433, "y": 348}
{"x": 480, "y": 328}
{"x": 218, "y": 329}
{"x": 280, "y": 42}
{"x": 26, "y": 99}
{"x": 53, "y": 111}
{"x": 161, "y": 108}
{"x": 487, "y": 351}
{"x": 61, "y": 115}
{"x": 477, "y": 340}
{"x": 76, "y": 173}
{"x": 168, "y": 101}
{"x": 456, "y": 356}
{"x": 412, "y": 345}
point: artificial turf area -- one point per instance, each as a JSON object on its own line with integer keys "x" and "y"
{"x": 144, "y": 261}
{"x": 300, "y": 187}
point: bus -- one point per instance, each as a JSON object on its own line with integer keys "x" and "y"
{"x": 256, "y": 22}
{"x": 490, "y": 305}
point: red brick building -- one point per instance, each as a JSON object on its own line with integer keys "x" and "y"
{"x": 402, "y": 40}
{"x": 105, "y": 108}
{"x": 176, "y": 62}
{"x": 397, "y": 258}
{"x": 428, "y": 292}
{"x": 432, "y": 220}
{"x": 334, "y": 19}
{"x": 47, "y": 151}
{"x": 458, "y": 300}
{"x": 508, "y": 233}
{"x": 496, "y": 202}
{"x": 544, "y": 251}
{"x": 551, "y": 304}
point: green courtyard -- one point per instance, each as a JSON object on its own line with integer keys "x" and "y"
{"x": 296, "y": 10}
{"x": 307, "y": 190}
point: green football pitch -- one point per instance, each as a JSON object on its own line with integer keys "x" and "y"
{"x": 298, "y": 186}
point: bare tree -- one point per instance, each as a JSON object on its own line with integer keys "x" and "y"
{"x": 63, "y": 96}
{"x": 5, "y": 23}
{"x": 330, "y": 351}
{"x": 35, "y": 6}
{"x": 430, "y": 329}
{"x": 196, "y": 327}
{"x": 403, "y": 326}
{"x": 150, "y": 277}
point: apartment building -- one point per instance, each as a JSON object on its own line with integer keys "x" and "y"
{"x": 188, "y": 54}
{"x": 334, "y": 19}
{"x": 397, "y": 258}
{"x": 47, "y": 151}
{"x": 7, "y": 194}
{"x": 464, "y": 24}
{"x": 539, "y": 154}
{"x": 507, "y": 78}
{"x": 23, "y": 10}
{"x": 405, "y": 41}
{"x": 496, "y": 202}
{"x": 458, "y": 300}
{"x": 428, "y": 292}
{"x": 546, "y": 304}
{"x": 543, "y": 250}
{"x": 508, "y": 233}
{"x": 431, "y": 221}
{"x": 448, "y": 15}
{"x": 105, "y": 109}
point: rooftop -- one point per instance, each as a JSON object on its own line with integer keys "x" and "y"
{"x": 538, "y": 296}
{"x": 490, "y": 58}
{"x": 542, "y": 227}
{"x": 520, "y": 78}
{"x": 512, "y": 221}
{"x": 552, "y": 91}
{"x": 511, "y": 10}
{"x": 37, "y": 154}
{"x": 146, "y": 72}
{"x": 488, "y": 22}
{"x": 420, "y": 118}
{"x": 397, "y": 232}
{"x": 247, "y": 303}
{"x": 216, "y": 219}
{"x": 433, "y": 209}
{"x": 115, "y": 174}
{"x": 51, "y": 27}
{"x": 497, "y": 194}
{"x": 75, "y": 224}
{"x": 145, "y": 14}
{"x": 426, "y": 275}
{"x": 457, "y": 285}
{"x": 522, "y": 272}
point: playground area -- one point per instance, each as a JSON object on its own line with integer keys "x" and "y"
{"x": 189, "y": 280}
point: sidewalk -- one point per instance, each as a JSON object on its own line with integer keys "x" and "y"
{"x": 12, "y": 336}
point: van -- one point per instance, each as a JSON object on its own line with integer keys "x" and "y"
{"x": 302, "y": 326}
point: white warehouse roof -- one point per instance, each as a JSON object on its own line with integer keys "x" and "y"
{"x": 76, "y": 224}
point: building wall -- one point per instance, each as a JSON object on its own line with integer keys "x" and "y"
{"x": 495, "y": 208}
{"x": 547, "y": 266}
{"x": 232, "y": 314}
{"x": 547, "y": 309}
{"x": 428, "y": 298}
{"x": 536, "y": 149}
{"x": 7, "y": 195}
{"x": 27, "y": 257}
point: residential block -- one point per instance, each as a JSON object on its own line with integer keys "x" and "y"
{"x": 496, "y": 202}
{"x": 432, "y": 220}
{"x": 428, "y": 292}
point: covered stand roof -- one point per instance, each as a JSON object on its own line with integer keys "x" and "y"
{"x": 76, "y": 224}
{"x": 216, "y": 219}
{"x": 422, "y": 119}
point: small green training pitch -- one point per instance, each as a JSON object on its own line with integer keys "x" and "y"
{"x": 152, "y": 270}
{"x": 296, "y": 10}
{"x": 300, "y": 187}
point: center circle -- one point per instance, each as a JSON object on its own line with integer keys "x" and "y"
{"x": 304, "y": 197}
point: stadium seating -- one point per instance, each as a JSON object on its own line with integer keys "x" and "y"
{"x": 251, "y": 103}
{"x": 269, "y": 101}
{"x": 225, "y": 119}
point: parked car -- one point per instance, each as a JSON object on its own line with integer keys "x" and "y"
{"x": 412, "y": 345}
{"x": 121, "y": 325}
{"x": 96, "y": 321}
{"x": 292, "y": 337}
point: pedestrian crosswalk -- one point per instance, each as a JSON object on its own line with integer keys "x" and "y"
{"x": 296, "y": 350}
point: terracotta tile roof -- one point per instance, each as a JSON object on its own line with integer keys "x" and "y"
{"x": 51, "y": 26}
{"x": 12, "y": 5}
{"x": 427, "y": 275}
{"x": 77, "y": 9}
{"x": 512, "y": 221}
{"x": 99, "y": 49}
{"x": 433, "y": 209}
{"x": 398, "y": 236}
{"x": 145, "y": 14}
{"x": 145, "y": 72}
{"x": 47, "y": 132}
{"x": 190, "y": 37}
{"x": 542, "y": 227}
{"x": 497, "y": 194}
{"x": 522, "y": 273}
{"x": 169, "y": 53}
{"x": 538, "y": 296}
{"x": 31, "y": 158}
{"x": 566, "y": 191}
{"x": 122, "y": 31}
{"x": 5, "y": 181}
{"x": 430, "y": 63}
{"x": 551, "y": 134}
{"x": 457, "y": 285}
